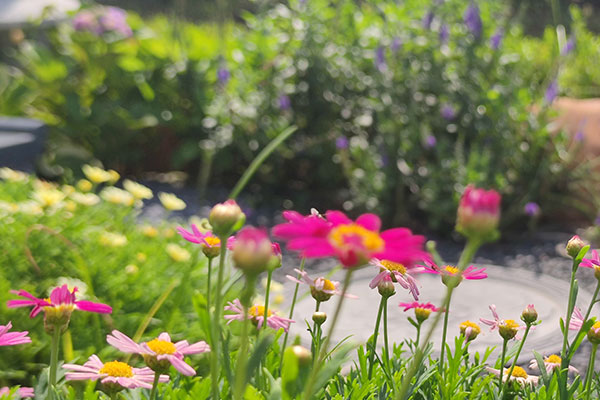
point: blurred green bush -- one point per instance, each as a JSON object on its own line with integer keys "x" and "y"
{"x": 398, "y": 107}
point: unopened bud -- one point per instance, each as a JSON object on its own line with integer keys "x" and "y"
{"x": 252, "y": 250}
{"x": 508, "y": 329}
{"x": 594, "y": 333}
{"x": 304, "y": 355}
{"x": 327, "y": 289}
{"x": 479, "y": 213}
{"x": 386, "y": 288}
{"x": 226, "y": 218}
{"x": 319, "y": 317}
{"x": 574, "y": 246}
{"x": 529, "y": 315}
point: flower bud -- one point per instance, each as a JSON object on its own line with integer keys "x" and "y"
{"x": 276, "y": 258}
{"x": 57, "y": 317}
{"x": 597, "y": 272}
{"x": 319, "y": 317}
{"x": 303, "y": 354}
{"x": 386, "y": 287}
{"x": 479, "y": 213}
{"x": 508, "y": 329}
{"x": 211, "y": 247}
{"x": 574, "y": 246}
{"x": 226, "y": 218}
{"x": 593, "y": 334}
{"x": 470, "y": 330}
{"x": 324, "y": 294}
{"x": 529, "y": 315}
{"x": 252, "y": 251}
{"x": 422, "y": 314}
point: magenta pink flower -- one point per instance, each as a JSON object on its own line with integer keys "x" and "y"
{"x": 161, "y": 348}
{"x": 397, "y": 273}
{"x": 253, "y": 251}
{"x": 321, "y": 288}
{"x": 12, "y": 338}
{"x": 448, "y": 271}
{"x": 416, "y": 304}
{"x": 591, "y": 262}
{"x": 256, "y": 314}
{"x": 114, "y": 373}
{"x": 493, "y": 324}
{"x": 576, "y": 321}
{"x": 478, "y": 212}
{"x": 354, "y": 243}
{"x": 22, "y": 392}
{"x": 60, "y": 298}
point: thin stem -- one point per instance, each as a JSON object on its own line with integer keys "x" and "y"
{"x": 316, "y": 332}
{"x": 266, "y": 312}
{"x": 517, "y": 356}
{"x": 240, "y": 375}
{"x": 562, "y": 377}
{"x": 418, "y": 333}
{"x": 386, "y": 346}
{"x": 502, "y": 364}
{"x": 323, "y": 353}
{"x": 154, "y": 385}
{"x": 373, "y": 348}
{"x": 208, "y": 287}
{"x": 590, "y": 371}
{"x": 216, "y": 325}
{"x": 54, "y": 358}
{"x": 468, "y": 253}
{"x": 444, "y": 334}
{"x": 291, "y": 316}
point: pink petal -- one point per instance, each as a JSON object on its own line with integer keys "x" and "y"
{"x": 182, "y": 366}
{"x": 100, "y": 308}
{"x": 370, "y": 222}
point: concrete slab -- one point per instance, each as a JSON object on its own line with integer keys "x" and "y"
{"x": 510, "y": 289}
{"x": 17, "y": 13}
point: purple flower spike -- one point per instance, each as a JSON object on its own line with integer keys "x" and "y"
{"x": 496, "y": 39}
{"x": 444, "y": 33}
{"x": 430, "y": 141}
{"x": 427, "y": 20}
{"x": 341, "y": 142}
{"x": 396, "y": 45}
{"x": 448, "y": 112}
{"x": 472, "y": 20}
{"x": 551, "y": 92}
{"x": 532, "y": 209}
{"x": 380, "y": 59}
{"x": 284, "y": 102}
{"x": 223, "y": 75}
{"x": 115, "y": 19}
{"x": 569, "y": 46}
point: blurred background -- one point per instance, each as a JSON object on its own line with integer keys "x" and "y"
{"x": 398, "y": 105}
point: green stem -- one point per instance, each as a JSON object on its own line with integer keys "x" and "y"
{"x": 385, "y": 335}
{"x": 373, "y": 347}
{"x": 266, "y": 312}
{"x": 208, "y": 287}
{"x": 240, "y": 376}
{"x": 316, "y": 332}
{"x": 444, "y": 334}
{"x": 590, "y": 372}
{"x": 291, "y": 316}
{"x": 562, "y": 378}
{"x": 216, "y": 325}
{"x": 504, "y": 343}
{"x": 516, "y": 359}
{"x": 468, "y": 253}
{"x": 323, "y": 353}
{"x": 260, "y": 158}
{"x": 54, "y": 358}
{"x": 154, "y": 386}
{"x": 418, "y": 333}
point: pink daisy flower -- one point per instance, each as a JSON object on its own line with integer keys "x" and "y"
{"x": 208, "y": 239}
{"x": 160, "y": 349}
{"x": 591, "y": 262}
{"x": 551, "y": 363}
{"x": 354, "y": 243}
{"x": 576, "y": 320}
{"x": 422, "y": 310}
{"x": 449, "y": 271}
{"x": 12, "y": 338}
{"x": 493, "y": 324}
{"x": 22, "y": 392}
{"x": 321, "y": 288}
{"x": 398, "y": 273}
{"x": 114, "y": 374}
{"x": 256, "y": 314}
{"x": 61, "y": 299}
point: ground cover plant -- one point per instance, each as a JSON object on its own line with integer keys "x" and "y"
{"x": 398, "y": 97}
{"x": 220, "y": 338}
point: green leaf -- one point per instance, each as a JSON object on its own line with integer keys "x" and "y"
{"x": 331, "y": 367}
{"x": 543, "y": 373}
{"x": 260, "y": 349}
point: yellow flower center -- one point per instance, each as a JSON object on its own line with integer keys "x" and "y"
{"x": 468, "y": 324}
{"x": 596, "y": 325}
{"x": 554, "y": 359}
{"x": 212, "y": 241}
{"x": 393, "y": 266}
{"x": 258, "y": 311}
{"x": 518, "y": 372}
{"x": 451, "y": 270}
{"x": 161, "y": 346}
{"x": 328, "y": 285}
{"x": 117, "y": 369}
{"x": 355, "y": 235}
{"x": 510, "y": 324}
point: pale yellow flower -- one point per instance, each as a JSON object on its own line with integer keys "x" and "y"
{"x": 39, "y": 184}
{"x": 30, "y": 207}
{"x": 9, "y": 208}
{"x": 95, "y": 174}
{"x": 85, "y": 199}
{"x": 171, "y": 202}
{"x": 84, "y": 185}
{"x": 11, "y": 175}
{"x": 68, "y": 189}
{"x": 113, "y": 239}
{"x": 139, "y": 191}
{"x": 178, "y": 253}
{"x": 168, "y": 233}
{"x": 48, "y": 197}
{"x": 141, "y": 257}
{"x": 114, "y": 177}
{"x": 117, "y": 196}
{"x": 70, "y": 205}
{"x": 131, "y": 269}
{"x": 149, "y": 231}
